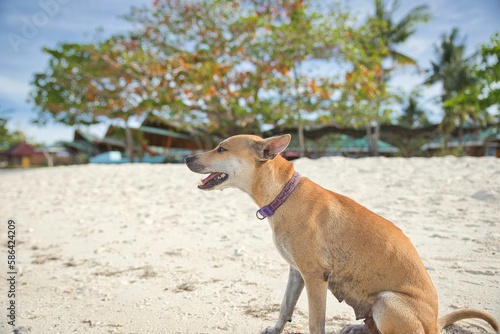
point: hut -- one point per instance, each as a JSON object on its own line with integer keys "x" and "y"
{"x": 161, "y": 132}
{"x": 23, "y": 155}
{"x": 477, "y": 144}
{"x": 160, "y": 136}
{"x": 360, "y": 147}
{"x": 338, "y": 145}
{"x": 85, "y": 145}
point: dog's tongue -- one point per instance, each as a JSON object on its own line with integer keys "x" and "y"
{"x": 210, "y": 177}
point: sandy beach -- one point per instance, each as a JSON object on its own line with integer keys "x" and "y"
{"x": 139, "y": 249}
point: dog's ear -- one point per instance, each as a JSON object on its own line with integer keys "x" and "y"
{"x": 271, "y": 147}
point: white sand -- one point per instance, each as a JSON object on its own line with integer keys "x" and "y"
{"x": 139, "y": 249}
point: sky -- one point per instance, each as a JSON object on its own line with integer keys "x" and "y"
{"x": 28, "y": 25}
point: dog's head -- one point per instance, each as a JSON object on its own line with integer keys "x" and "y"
{"x": 234, "y": 161}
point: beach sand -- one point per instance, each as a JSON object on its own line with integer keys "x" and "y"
{"x": 139, "y": 249}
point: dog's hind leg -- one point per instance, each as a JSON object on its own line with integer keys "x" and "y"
{"x": 293, "y": 290}
{"x": 396, "y": 313}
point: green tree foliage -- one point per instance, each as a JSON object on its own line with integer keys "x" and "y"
{"x": 233, "y": 65}
{"x": 89, "y": 83}
{"x": 488, "y": 72}
{"x": 230, "y": 67}
{"x": 394, "y": 33}
{"x": 9, "y": 138}
{"x": 366, "y": 90}
{"x": 483, "y": 91}
{"x": 453, "y": 69}
{"x": 297, "y": 35}
{"x": 413, "y": 115}
{"x": 201, "y": 69}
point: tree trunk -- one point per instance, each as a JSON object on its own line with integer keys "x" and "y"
{"x": 302, "y": 147}
{"x": 369, "y": 140}
{"x": 129, "y": 142}
{"x": 372, "y": 138}
{"x": 461, "y": 142}
{"x": 376, "y": 137}
{"x": 49, "y": 157}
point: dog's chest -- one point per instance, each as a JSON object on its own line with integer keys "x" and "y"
{"x": 282, "y": 245}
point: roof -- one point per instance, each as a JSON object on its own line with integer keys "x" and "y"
{"x": 79, "y": 135}
{"x": 344, "y": 144}
{"x": 163, "y": 132}
{"x": 478, "y": 138}
{"x": 21, "y": 149}
{"x": 112, "y": 141}
{"x": 363, "y": 144}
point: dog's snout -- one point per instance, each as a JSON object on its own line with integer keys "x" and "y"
{"x": 193, "y": 163}
{"x": 189, "y": 159}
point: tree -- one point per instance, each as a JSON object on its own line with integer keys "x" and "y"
{"x": 296, "y": 36}
{"x": 204, "y": 72}
{"x": 413, "y": 116}
{"x": 488, "y": 72}
{"x": 9, "y": 138}
{"x": 239, "y": 62}
{"x": 364, "y": 92}
{"x": 394, "y": 33}
{"x": 371, "y": 47}
{"x": 484, "y": 91}
{"x": 389, "y": 33}
{"x": 88, "y": 83}
{"x": 227, "y": 66}
{"x": 454, "y": 71}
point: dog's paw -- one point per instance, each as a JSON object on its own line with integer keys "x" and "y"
{"x": 270, "y": 330}
{"x": 353, "y": 329}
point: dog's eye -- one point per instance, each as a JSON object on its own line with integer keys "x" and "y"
{"x": 220, "y": 149}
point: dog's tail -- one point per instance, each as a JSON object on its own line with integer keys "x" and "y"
{"x": 457, "y": 315}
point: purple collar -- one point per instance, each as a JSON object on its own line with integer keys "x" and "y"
{"x": 269, "y": 210}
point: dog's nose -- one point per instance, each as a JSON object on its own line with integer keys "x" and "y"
{"x": 189, "y": 159}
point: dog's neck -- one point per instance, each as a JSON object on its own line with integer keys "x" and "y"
{"x": 271, "y": 178}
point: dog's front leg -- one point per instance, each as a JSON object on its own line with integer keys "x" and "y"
{"x": 316, "y": 288}
{"x": 294, "y": 287}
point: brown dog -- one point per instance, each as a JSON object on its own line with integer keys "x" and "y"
{"x": 330, "y": 242}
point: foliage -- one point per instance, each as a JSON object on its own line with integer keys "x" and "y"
{"x": 9, "y": 138}
{"x": 198, "y": 49}
{"x": 413, "y": 116}
{"x": 366, "y": 90}
{"x": 236, "y": 66}
{"x": 394, "y": 33}
{"x": 484, "y": 90}
{"x": 229, "y": 66}
{"x": 488, "y": 72}
{"x": 454, "y": 70}
{"x": 85, "y": 83}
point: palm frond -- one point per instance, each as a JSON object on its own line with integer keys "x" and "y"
{"x": 402, "y": 59}
{"x": 407, "y": 25}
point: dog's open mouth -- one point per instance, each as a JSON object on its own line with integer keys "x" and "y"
{"x": 212, "y": 180}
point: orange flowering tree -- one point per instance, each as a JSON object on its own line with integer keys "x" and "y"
{"x": 227, "y": 66}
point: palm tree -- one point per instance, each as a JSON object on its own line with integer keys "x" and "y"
{"x": 454, "y": 70}
{"x": 392, "y": 33}
{"x": 413, "y": 115}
